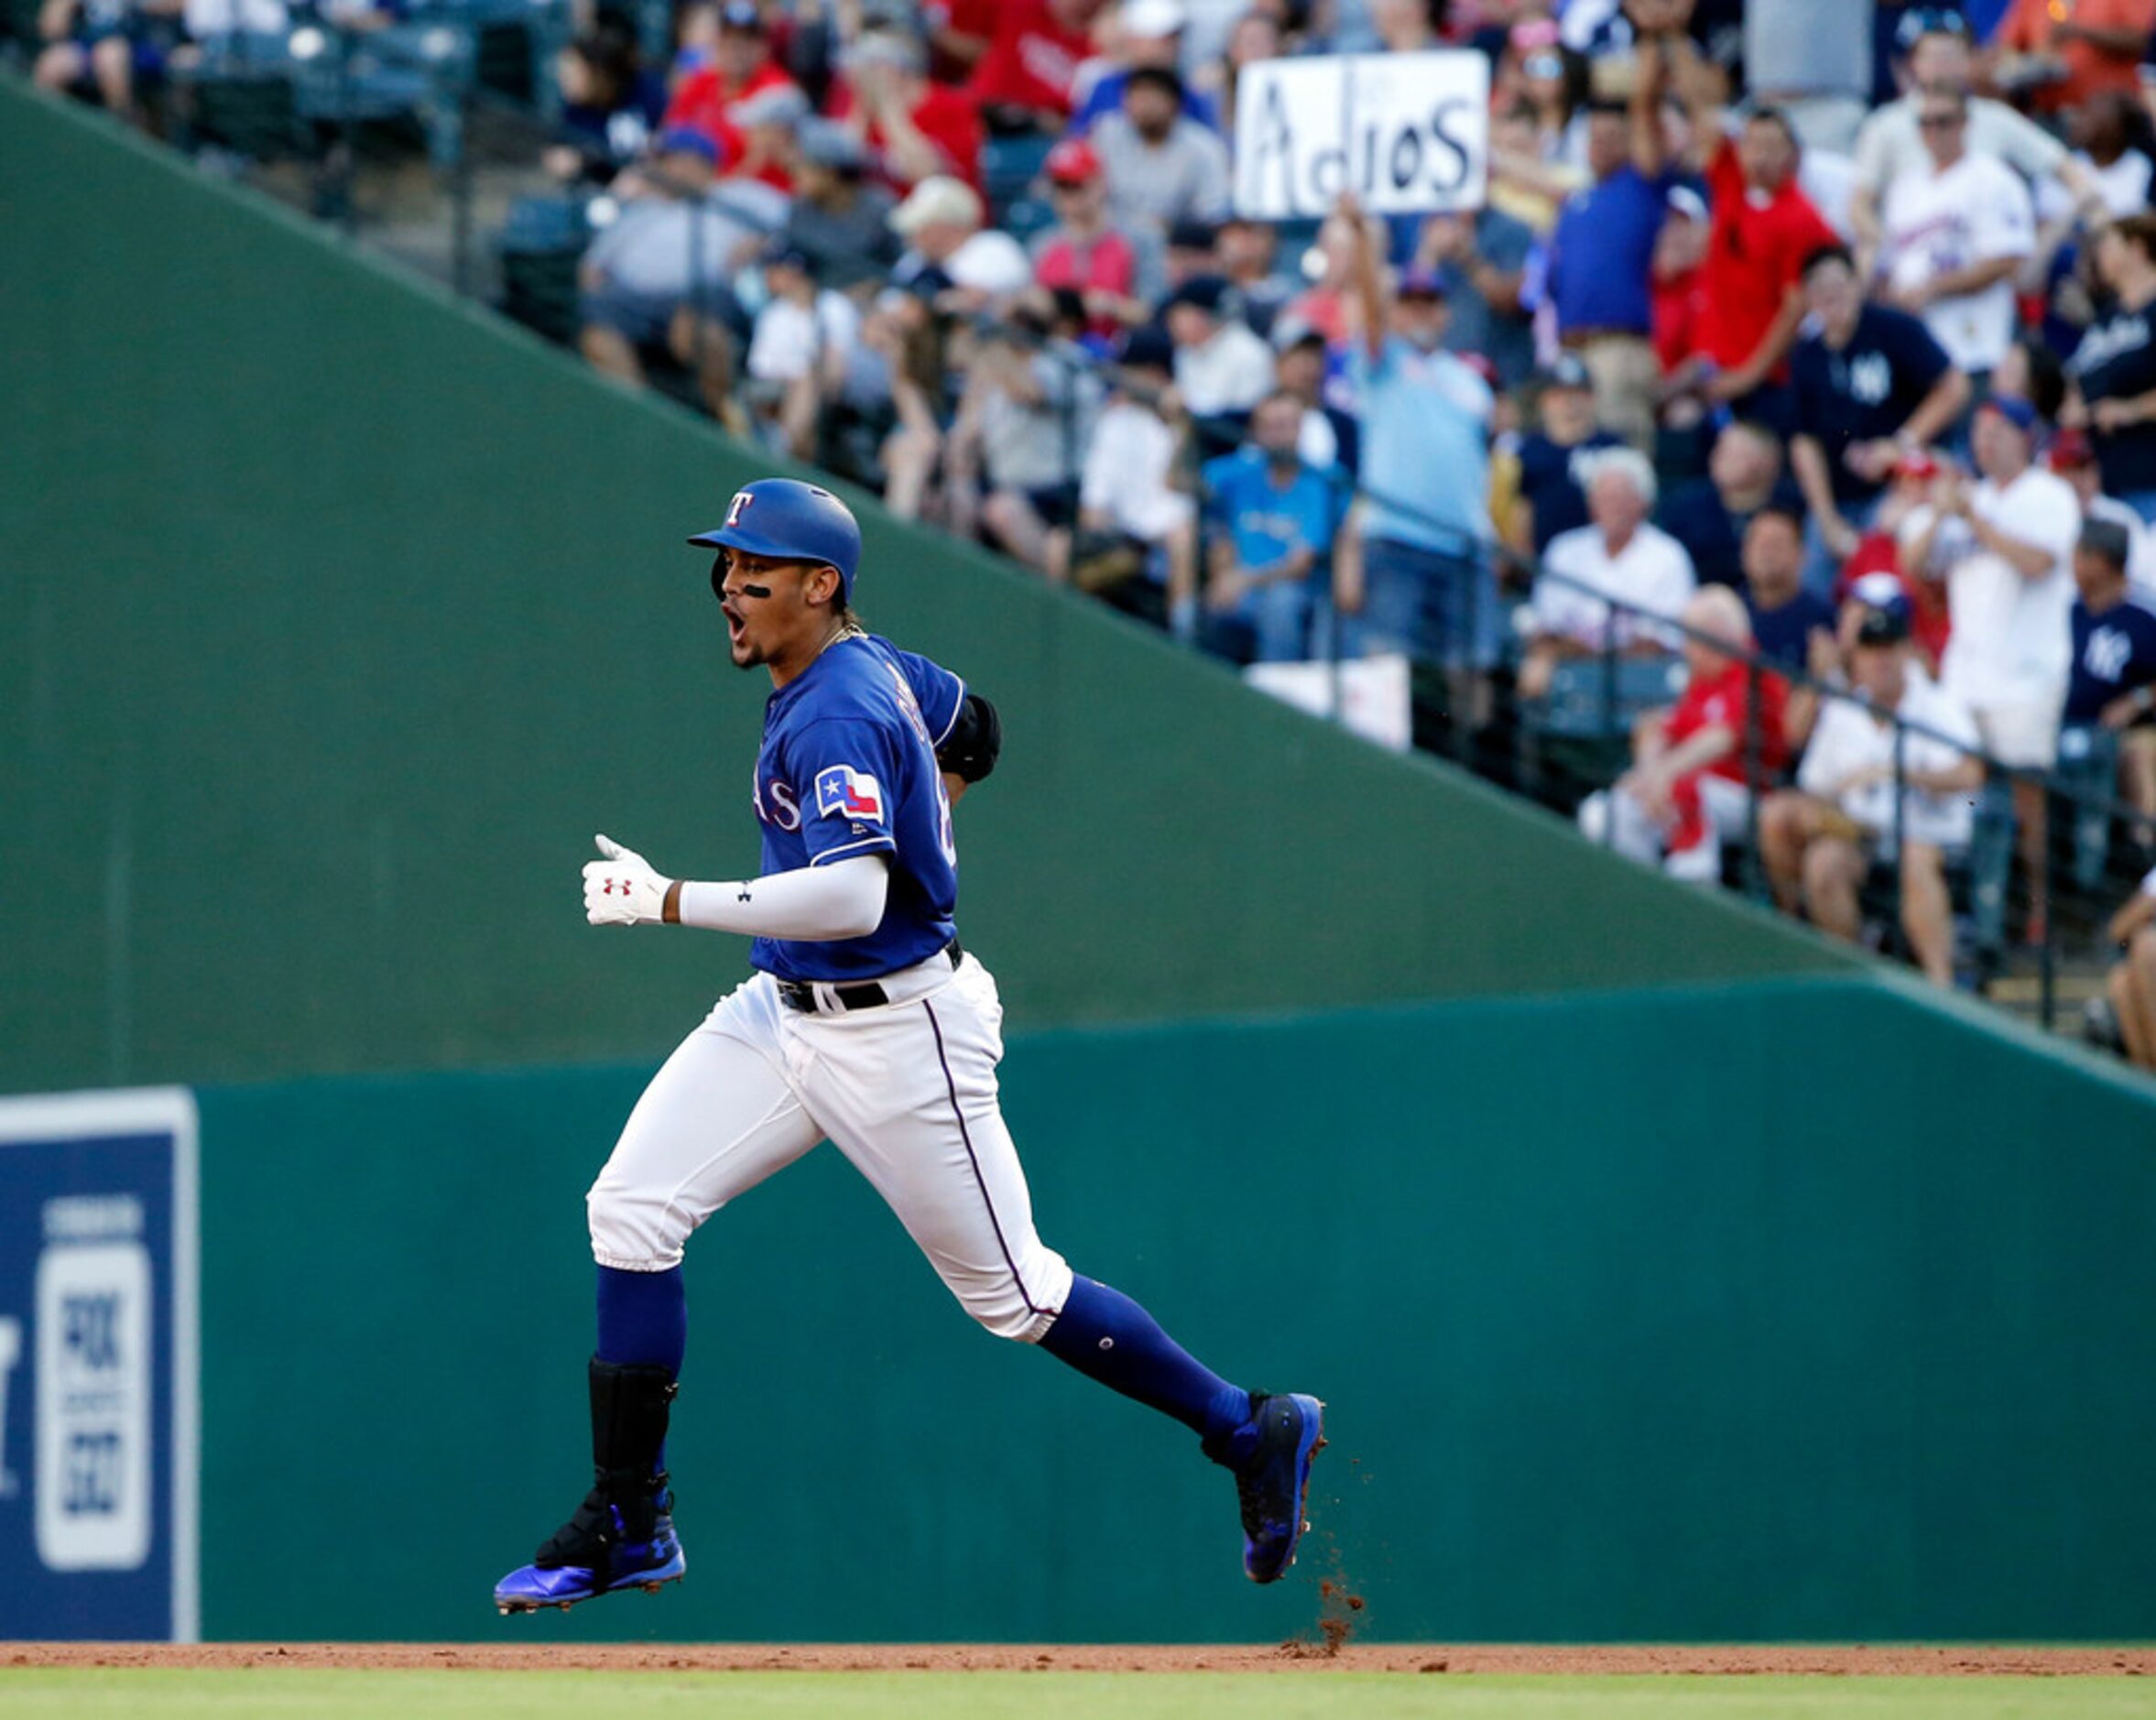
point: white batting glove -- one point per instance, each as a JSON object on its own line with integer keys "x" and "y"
{"x": 622, "y": 889}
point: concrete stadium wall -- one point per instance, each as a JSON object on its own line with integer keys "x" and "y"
{"x": 342, "y": 614}
{"x": 1798, "y": 1308}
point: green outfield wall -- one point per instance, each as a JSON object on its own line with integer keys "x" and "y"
{"x": 1670, "y": 1273}
{"x": 336, "y": 615}
{"x": 1782, "y": 1308}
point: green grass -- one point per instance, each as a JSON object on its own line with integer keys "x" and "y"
{"x": 78, "y": 1695}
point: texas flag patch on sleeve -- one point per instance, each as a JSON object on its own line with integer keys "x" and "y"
{"x": 843, "y": 792}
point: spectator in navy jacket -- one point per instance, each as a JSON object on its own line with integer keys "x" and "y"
{"x": 1870, "y": 383}
{"x": 1789, "y": 623}
{"x": 1554, "y": 458}
{"x": 1708, "y": 515}
{"x": 2111, "y": 684}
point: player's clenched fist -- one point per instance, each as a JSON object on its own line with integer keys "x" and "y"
{"x": 622, "y": 889}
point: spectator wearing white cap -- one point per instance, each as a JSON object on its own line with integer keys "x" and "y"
{"x": 1162, "y": 167}
{"x": 1615, "y": 582}
{"x": 946, "y": 247}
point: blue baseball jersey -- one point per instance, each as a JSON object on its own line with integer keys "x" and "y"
{"x": 847, "y": 768}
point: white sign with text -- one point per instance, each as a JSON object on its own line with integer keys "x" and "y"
{"x": 1407, "y": 132}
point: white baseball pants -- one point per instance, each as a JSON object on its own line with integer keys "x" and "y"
{"x": 906, "y": 1089}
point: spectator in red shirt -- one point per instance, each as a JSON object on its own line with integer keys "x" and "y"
{"x": 2063, "y": 54}
{"x": 1680, "y": 290}
{"x": 1026, "y": 78}
{"x": 1887, "y": 548}
{"x": 915, "y": 129}
{"x": 959, "y": 34}
{"x": 767, "y": 127}
{"x": 741, "y": 66}
{"x": 1694, "y": 768}
{"x": 1763, "y": 228}
{"x": 1082, "y": 251}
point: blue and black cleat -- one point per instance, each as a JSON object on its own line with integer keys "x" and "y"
{"x": 1270, "y": 1456}
{"x": 622, "y": 1537}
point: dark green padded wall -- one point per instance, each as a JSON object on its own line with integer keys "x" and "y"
{"x": 334, "y": 617}
{"x": 1790, "y": 1309}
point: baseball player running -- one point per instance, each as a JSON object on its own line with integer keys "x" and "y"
{"x": 865, "y": 1024}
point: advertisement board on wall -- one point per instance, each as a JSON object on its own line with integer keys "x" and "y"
{"x": 99, "y": 1413}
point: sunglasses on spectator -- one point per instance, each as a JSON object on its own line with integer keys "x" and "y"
{"x": 1940, "y": 122}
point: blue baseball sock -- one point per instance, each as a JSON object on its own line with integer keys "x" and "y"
{"x": 643, "y": 1318}
{"x": 1106, "y": 1336}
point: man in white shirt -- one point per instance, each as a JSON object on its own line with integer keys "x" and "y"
{"x": 1955, "y": 227}
{"x": 1609, "y": 582}
{"x": 798, "y": 352}
{"x": 1221, "y": 364}
{"x": 2009, "y": 543}
{"x": 1891, "y": 141}
{"x": 1819, "y": 838}
{"x": 1130, "y": 515}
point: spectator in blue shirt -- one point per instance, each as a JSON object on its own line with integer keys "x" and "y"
{"x": 1708, "y": 514}
{"x": 1273, "y": 519}
{"x": 1151, "y": 34}
{"x": 1790, "y": 626}
{"x": 1601, "y": 259}
{"x": 2111, "y": 685}
{"x": 1428, "y": 585}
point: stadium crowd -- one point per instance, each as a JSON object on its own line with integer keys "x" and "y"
{"x": 1814, "y": 332}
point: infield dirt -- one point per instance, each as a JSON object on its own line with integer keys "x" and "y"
{"x": 1828, "y": 1660}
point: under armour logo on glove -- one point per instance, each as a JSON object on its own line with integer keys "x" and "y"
{"x": 622, "y": 889}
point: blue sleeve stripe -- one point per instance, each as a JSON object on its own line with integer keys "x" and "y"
{"x": 880, "y": 845}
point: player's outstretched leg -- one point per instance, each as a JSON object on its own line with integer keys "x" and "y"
{"x": 1268, "y": 1441}
{"x": 622, "y": 1536}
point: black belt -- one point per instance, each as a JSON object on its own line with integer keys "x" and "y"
{"x": 867, "y": 994}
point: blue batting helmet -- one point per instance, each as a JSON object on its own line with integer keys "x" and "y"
{"x": 790, "y": 521}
